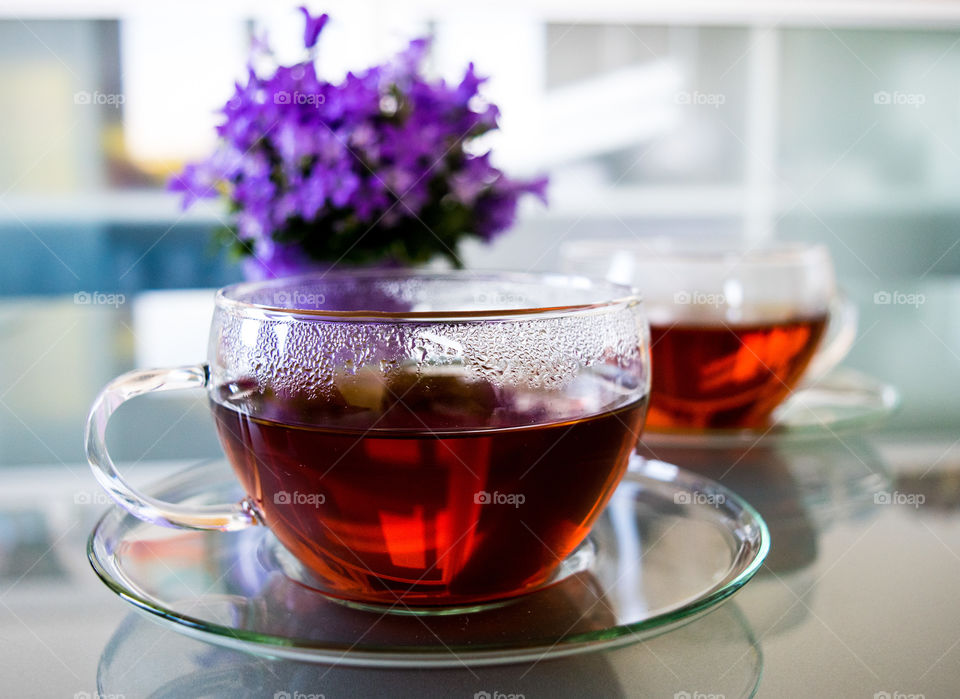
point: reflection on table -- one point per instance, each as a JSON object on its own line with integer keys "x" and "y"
{"x": 717, "y": 651}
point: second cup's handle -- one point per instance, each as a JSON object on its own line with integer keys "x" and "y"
{"x": 228, "y": 517}
{"x": 838, "y": 338}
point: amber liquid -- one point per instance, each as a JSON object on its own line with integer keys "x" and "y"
{"x": 716, "y": 376}
{"x": 439, "y": 492}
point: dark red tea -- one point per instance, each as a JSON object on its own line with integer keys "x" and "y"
{"x": 727, "y": 375}
{"x": 432, "y": 490}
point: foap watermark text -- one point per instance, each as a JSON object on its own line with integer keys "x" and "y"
{"x": 699, "y": 298}
{"x": 703, "y": 99}
{"x": 314, "y": 99}
{"x": 98, "y": 298}
{"x": 698, "y": 498}
{"x": 284, "y": 497}
{"x": 897, "y": 498}
{"x": 897, "y": 98}
{"x": 91, "y": 497}
{"x": 482, "y": 497}
{"x": 109, "y": 99}
{"x": 500, "y": 298}
{"x": 898, "y": 298}
{"x": 298, "y": 299}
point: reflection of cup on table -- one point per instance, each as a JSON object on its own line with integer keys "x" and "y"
{"x": 718, "y": 651}
{"x": 413, "y": 439}
{"x": 734, "y": 328}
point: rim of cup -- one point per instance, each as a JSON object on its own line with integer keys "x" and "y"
{"x": 599, "y": 294}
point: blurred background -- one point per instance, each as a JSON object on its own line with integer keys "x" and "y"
{"x": 830, "y": 121}
{"x": 836, "y": 121}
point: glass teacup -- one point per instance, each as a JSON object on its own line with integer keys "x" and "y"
{"x": 734, "y": 327}
{"x": 413, "y": 439}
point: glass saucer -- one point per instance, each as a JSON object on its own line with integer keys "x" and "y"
{"x": 670, "y": 546}
{"x": 843, "y": 400}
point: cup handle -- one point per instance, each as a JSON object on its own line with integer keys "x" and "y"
{"x": 229, "y": 517}
{"x": 839, "y": 337}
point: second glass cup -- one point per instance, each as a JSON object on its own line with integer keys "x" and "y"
{"x": 734, "y": 327}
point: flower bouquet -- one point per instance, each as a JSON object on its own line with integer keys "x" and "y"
{"x": 376, "y": 169}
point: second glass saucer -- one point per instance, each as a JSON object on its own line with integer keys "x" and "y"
{"x": 843, "y": 400}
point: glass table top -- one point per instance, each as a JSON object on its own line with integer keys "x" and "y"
{"x": 856, "y": 597}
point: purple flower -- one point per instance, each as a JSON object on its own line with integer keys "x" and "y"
{"x": 314, "y": 25}
{"x": 497, "y": 207}
{"x": 271, "y": 259}
{"x": 313, "y": 195}
{"x": 374, "y": 168}
{"x": 473, "y": 179}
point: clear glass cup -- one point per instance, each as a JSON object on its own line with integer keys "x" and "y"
{"x": 413, "y": 439}
{"x": 735, "y": 328}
